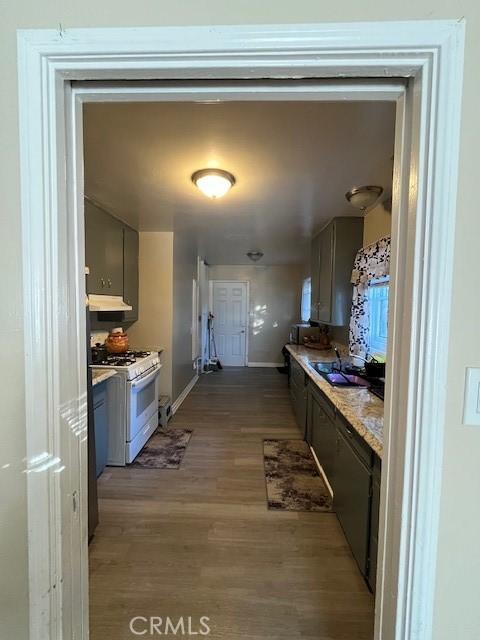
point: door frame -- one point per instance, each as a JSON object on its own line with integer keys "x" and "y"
{"x": 428, "y": 55}
{"x": 247, "y": 309}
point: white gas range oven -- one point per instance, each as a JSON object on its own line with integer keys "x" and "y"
{"x": 132, "y": 402}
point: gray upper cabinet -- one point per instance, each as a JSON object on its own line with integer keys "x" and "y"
{"x": 103, "y": 251}
{"x": 333, "y": 253}
{"x": 130, "y": 272}
{"x": 315, "y": 273}
{"x": 111, "y": 254}
{"x": 325, "y": 275}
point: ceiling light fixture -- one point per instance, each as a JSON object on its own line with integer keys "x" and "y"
{"x": 214, "y": 183}
{"x": 255, "y": 256}
{"x": 364, "y": 197}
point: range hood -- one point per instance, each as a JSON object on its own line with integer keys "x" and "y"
{"x": 107, "y": 303}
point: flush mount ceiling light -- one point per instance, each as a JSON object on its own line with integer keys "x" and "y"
{"x": 364, "y": 197}
{"x": 255, "y": 256}
{"x": 214, "y": 183}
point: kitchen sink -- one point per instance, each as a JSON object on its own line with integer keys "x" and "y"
{"x": 337, "y": 378}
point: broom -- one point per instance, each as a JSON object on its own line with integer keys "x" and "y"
{"x": 216, "y": 358}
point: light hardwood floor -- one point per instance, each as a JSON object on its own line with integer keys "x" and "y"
{"x": 200, "y": 541}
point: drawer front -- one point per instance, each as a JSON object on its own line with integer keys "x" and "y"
{"x": 323, "y": 401}
{"x": 355, "y": 440}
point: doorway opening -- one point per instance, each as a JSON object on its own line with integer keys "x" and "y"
{"x": 312, "y": 152}
{"x": 229, "y": 322}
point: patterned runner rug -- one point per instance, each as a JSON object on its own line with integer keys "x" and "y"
{"x": 292, "y": 477}
{"x": 164, "y": 450}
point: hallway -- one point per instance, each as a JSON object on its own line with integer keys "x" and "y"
{"x": 199, "y": 541}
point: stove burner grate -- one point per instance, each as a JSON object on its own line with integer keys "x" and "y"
{"x": 123, "y": 359}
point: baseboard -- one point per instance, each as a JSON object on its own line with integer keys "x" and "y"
{"x": 184, "y": 394}
{"x": 265, "y": 364}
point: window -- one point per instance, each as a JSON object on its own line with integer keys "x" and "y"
{"x": 306, "y": 299}
{"x": 378, "y": 315}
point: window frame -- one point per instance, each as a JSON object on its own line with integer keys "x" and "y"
{"x": 307, "y": 282}
{"x": 377, "y": 346}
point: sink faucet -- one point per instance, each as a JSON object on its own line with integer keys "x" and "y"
{"x": 337, "y": 353}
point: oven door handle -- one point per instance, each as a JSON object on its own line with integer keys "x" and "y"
{"x": 146, "y": 379}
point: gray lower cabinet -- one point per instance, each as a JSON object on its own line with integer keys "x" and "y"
{"x": 351, "y": 499}
{"x": 352, "y": 468}
{"x": 374, "y": 524}
{"x": 321, "y": 432}
{"x": 100, "y": 419}
{"x": 130, "y": 273}
{"x": 298, "y": 394}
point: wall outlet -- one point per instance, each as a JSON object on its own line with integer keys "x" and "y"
{"x": 471, "y": 405}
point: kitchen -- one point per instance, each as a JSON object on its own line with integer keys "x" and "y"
{"x": 156, "y": 283}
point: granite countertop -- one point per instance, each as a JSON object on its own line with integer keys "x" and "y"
{"x": 100, "y": 375}
{"x": 359, "y": 407}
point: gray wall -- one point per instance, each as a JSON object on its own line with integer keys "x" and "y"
{"x": 184, "y": 271}
{"x": 274, "y": 301}
{"x": 376, "y": 224}
{"x": 154, "y": 328}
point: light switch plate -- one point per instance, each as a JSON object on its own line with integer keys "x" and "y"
{"x": 471, "y": 405}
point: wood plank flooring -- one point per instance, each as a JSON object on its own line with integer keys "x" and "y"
{"x": 199, "y": 541}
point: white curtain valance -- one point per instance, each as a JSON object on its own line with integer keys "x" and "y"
{"x": 371, "y": 262}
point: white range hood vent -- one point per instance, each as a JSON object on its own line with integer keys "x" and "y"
{"x": 107, "y": 303}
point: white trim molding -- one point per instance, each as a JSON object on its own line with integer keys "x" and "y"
{"x": 419, "y": 65}
{"x": 183, "y": 395}
{"x": 265, "y": 365}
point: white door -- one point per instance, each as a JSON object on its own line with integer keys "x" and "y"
{"x": 230, "y": 322}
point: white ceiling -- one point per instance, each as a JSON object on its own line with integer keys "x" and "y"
{"x": 293, "y": 163}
